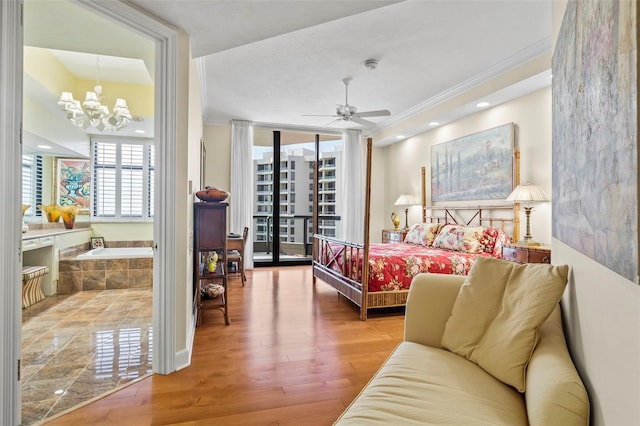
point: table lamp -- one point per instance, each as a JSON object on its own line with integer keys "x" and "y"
{"x": 527, "y": 194}
{"x": 406, "y": 200}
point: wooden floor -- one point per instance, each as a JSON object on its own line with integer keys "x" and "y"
{"x": 294, "y": 354}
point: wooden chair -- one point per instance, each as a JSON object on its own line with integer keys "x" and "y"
{"x": 237, "y": 257}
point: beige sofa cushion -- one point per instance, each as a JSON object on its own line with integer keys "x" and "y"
{"x": 495, "y": 319}
{"x": 421, "y": 385}
{"x": 555, "y": 393}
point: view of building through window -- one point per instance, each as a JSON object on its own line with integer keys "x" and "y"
{"x": 295, "y": 200}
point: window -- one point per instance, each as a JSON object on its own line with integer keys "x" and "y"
{"x": 32, "y": 183}
{"x": 123, "y": 179}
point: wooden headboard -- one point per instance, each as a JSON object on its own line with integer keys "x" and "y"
{"x": 505, "y": 216}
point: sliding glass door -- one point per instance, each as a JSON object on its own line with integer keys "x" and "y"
{"x": 284, "y": 165}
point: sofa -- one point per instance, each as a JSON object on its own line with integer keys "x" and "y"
{"x": 423, "y": 383}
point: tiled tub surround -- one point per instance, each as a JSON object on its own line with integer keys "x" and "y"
{"x": 104, "y": 274}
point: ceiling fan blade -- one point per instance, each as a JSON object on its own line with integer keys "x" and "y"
{"x": 362, "y": 121}
{"x": 332, "y": 121}
{"x": 319, "y": 115}
{"x": 377, "y": 113}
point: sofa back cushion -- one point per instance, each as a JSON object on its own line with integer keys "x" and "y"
{"x": 495, "y": 318}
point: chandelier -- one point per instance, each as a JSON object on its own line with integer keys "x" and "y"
{"x": 92, "y": 113}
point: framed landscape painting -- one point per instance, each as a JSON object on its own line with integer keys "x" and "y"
{"x": 474, "y": 167}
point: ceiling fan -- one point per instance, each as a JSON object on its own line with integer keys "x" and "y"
{"x": 348, "y": 112}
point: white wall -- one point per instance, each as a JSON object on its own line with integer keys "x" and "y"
{"x": 195, "y": 135}
{"x": 601, "y": 310}
{"x": 532, "y": 117}
{"x": 183, "y": 208}
{"x": 217, "y": 140}
{"x": 123, "y": 231}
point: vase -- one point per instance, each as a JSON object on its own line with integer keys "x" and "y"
{"x": 69, "y": 214}
{"x": 52, "y": 211}
{"x": 396, "y": 221}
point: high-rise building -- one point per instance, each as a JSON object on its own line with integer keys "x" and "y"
{"x": 296, "y": 196}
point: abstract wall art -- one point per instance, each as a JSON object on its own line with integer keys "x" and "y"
{"x": 595, "y": 140}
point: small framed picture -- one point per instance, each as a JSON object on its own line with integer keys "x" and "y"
{"x": 97, "y": 242}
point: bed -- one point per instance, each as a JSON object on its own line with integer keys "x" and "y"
{"x": 448, "y": 241}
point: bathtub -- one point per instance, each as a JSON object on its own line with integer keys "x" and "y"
{"x": 117, "y": 253}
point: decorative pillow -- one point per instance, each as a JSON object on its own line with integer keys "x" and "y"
{"x": 423, "y": 233}
{"x": 495, "y": 318}
{"x": 460, "y": 238}
{"x": 493, "y": 239}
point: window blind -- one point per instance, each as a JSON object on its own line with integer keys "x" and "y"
{"x": 123, "y": 179}
{"x": 32, "y": 183}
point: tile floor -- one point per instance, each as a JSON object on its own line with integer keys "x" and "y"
{"x": 76, "y": 347}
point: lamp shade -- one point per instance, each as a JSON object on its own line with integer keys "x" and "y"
{"x": 406, "y": 200}
{"x": 527, "y": 193}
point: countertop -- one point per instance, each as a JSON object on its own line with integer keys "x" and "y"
{"x": 50, "y": 230}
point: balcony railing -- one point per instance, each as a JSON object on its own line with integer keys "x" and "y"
{"x": 301, "y": 245}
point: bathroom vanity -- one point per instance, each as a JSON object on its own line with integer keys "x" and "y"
{"x": 42, "y": 248}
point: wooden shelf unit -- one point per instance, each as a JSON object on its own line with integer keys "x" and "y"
{"x": 210, "y": 235}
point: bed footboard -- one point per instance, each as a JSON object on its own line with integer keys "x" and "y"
{"x": 339, "y": 264}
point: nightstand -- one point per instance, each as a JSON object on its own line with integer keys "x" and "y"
{"x": 391, "y": 236}
{"x": 526, "y": 254}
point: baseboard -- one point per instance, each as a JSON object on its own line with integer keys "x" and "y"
{"x": 183, "y": 357}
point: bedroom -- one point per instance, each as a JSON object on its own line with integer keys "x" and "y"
{"x": 592, "y": 297}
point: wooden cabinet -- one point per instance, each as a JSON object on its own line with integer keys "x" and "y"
{"x": 391, "y": 236}
{"x": 526, "y": 254}
{"x": 210, "y": 235}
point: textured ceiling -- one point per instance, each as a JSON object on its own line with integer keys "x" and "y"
{"x": 274, "y": 62}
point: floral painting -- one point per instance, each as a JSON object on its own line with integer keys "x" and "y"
{"x": 474, "y": 167}
{"x": 73, "y": 182}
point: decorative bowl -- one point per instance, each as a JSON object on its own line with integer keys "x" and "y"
{"x": 212, "y": 290}
{"x": 211, "y": 194}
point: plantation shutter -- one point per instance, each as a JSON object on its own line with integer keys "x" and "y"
{"x": 131, "y": 191}
{"x": 104, "y": 179}
{"x": 151, "y": 187}
{"x": 123, "y": 179}
{"x": 32, "y": 183}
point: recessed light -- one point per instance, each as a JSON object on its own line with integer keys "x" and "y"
{"x": 140, "y": 131}
{"x": 434, "y": 123}
{"x": 400, "y": 137}
{"x": 482, "y": 104}
{"x": 44, "y": 146}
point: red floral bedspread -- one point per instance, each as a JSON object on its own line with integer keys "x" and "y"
{"x": 393, "y": 266}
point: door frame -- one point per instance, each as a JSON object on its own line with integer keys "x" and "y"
{"x": 164, "y": 273}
